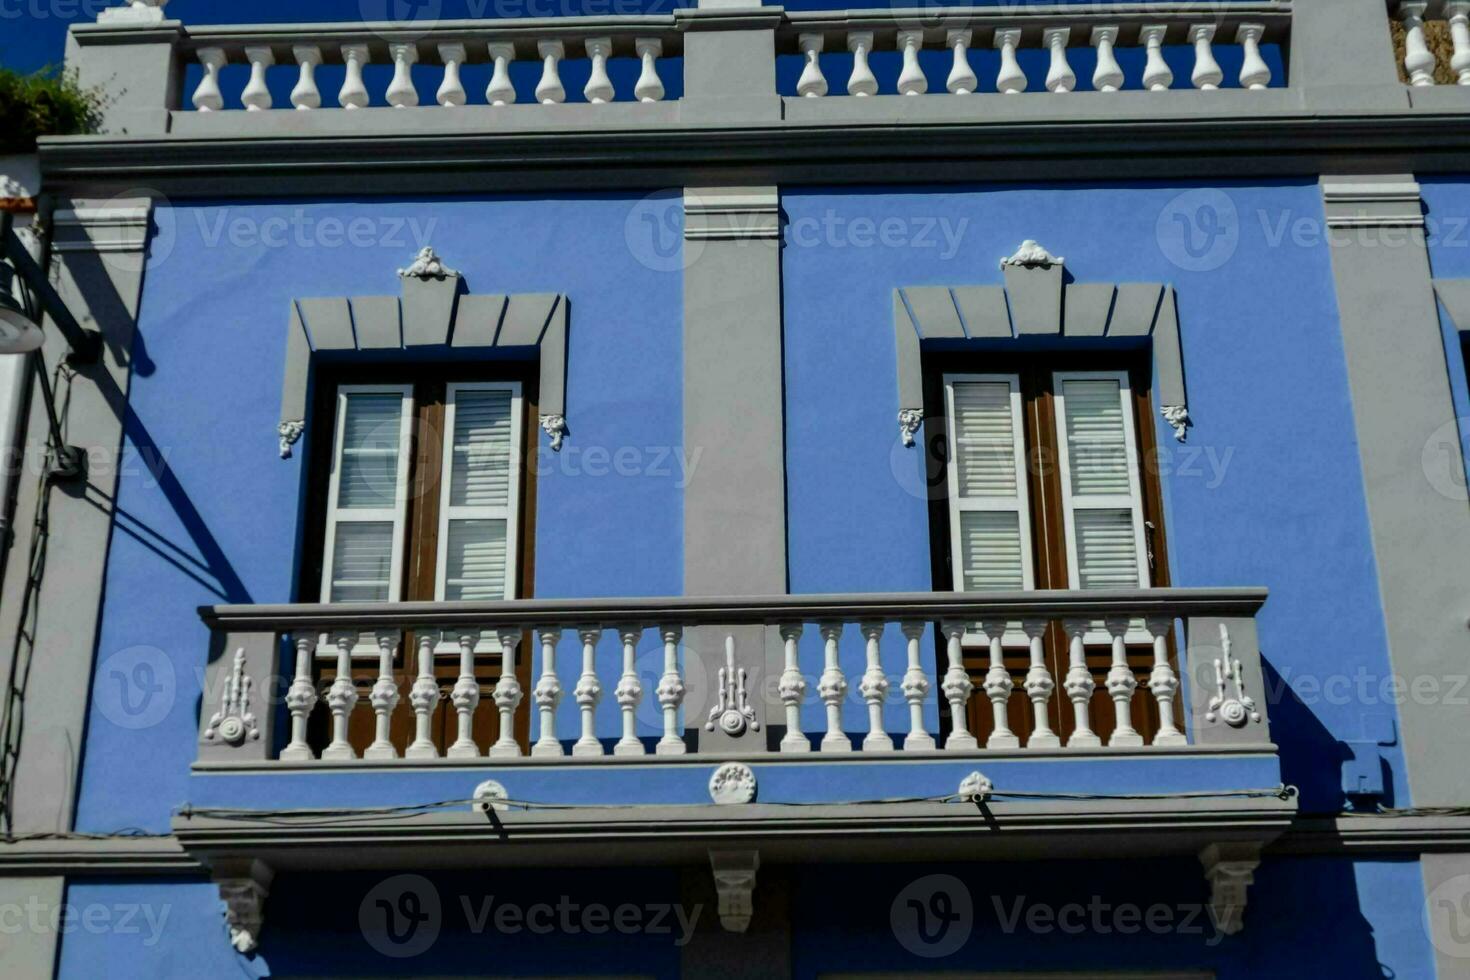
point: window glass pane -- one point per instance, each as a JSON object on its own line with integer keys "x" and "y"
{"x": 362, "y": 561}
{"x": 985, "y": 439}
{"x": 480, "y": 476}
{"x": 1097, "y": 446}
{"x": 369, "y": 467}
{"x": 475, "y": 562}
{"x": 1107, "y": 549}
{"x": 990, "y": 546}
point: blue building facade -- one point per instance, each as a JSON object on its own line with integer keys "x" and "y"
{"x": 702, "y": 500}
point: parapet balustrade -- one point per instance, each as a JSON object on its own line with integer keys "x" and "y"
{"x": 451, "y": 46}
{"x": 822, "y": 40}
{"x": 967, "y": 672}
{"x": 1432, "y": 41}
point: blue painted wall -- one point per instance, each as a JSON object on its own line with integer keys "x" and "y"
{"x": 1267, "y": 491}
{"x": 207, "y": 513}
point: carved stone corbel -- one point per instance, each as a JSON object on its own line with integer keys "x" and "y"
{"x": 735, "y": 886}
{"x": 555, "y": 426}
{"x": 1230, "y": 870}
{"x": 909, "y": 421}
{"x": 244, "y": 884}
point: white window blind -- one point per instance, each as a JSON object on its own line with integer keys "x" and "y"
{"x": 990, "y": 533}
{"x": 480, "y": 497}
{"x": 1102, "y": 498}
{"x": 368, "y": 494}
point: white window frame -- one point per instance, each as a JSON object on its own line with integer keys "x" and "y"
{"x": 1132, "y": 501}
{"x": 1021, "y": 503}
{"x": 397, "y": 514}
{"x": 510, "y": 513}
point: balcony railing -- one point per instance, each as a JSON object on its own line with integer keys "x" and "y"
{"x": 1432, "y": 41}
{"x": 705, "y": 692}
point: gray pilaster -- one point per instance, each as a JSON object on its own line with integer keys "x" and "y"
{"x": 1446, "y": 897}
{"x": 136, "y": 65}
{"x": 30, "y": 950}
{"x": 730, "y": 63}
{"x": 1401, "y": 397}
{"x": 98, "y": 255}
{"x": 1342, "y": 56}
{"x": 734, "y": 417}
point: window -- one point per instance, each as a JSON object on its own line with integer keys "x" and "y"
{"x": 418, "y": 492}
{"x": 437, "y": 521}
{"x": 1046, "y": 486}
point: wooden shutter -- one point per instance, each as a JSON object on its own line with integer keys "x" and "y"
{"x": 990, "y": 535}
{"x": 479, "y": 505}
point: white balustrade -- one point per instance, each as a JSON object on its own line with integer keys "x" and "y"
{"x": 548, "y": 694}
{"x": 649, "y": 87}
{"x": 1011, "y": 80}
{"x": 1458, "y": 16}
{"x": 500, "y": 91}
{"x": 1254, "y": 72}
{"x": 1108, "y": 76}
{"x": 1207, "y": 74}
{"x": 812, "y": 84}
{"x": 1418, "y": 59}
{"x": 1060, "y": 77}
{"x": 911, "y": 80}
{"x": 599, "y": 87}
{"x": 207, "y": 97}
{"x": 1157, "y": 75}
{"x": 962, "y": 80}
{"x": 549, "y": 90}
{"x": 401, "y": 92}
{"x": 256, "y": 95}
{"x": 928, "y": 681}
{"x": 353, "y": 94}
{"x": 862, "y": 81}
{"x": 451, "y": 91}
{"x": 588, "y": 692}
{"x": 305, "y": 94}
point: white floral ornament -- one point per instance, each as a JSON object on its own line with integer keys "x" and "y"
{"x": 732, "y": 783}
{"x": 427, "y": 265}
{"x": 909, "y": 421}
{"x": 556, "y": 428}
{"x": 289, "y": 433}
{"x": 1178, "y": 417}
{"x": 976, "y": 788}
{"x": 1031, "y": 256}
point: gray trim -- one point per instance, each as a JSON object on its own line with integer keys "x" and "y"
{"x": 1089, "y": 306}
{"x": 1446, "y": 884}
{"x": 31, "y": 952}
{"x": 1210, "y": 681}
{"x": 432, "y": 313}
{"x": 1035, "y": 299}
{"x": 1454, "y": 295}
{"x": 1401, "y": 398}
{"x": 96, "y": 856}
{"x": 983, "y": 308}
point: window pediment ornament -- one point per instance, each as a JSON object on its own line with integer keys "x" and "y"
{"x": 434, "y": 309}
{"x": 1036, "y": 301}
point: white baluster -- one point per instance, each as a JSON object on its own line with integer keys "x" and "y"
{"x": 1254, "y": 72}
{"x": 401, "y": 93}
{"x": 1079, "y": 686}
{"x": 207, "y": 97}
{"x": 998, "y": 687}
{"x": 1108, "y": 76}
{"x": 1059, "y": 77}
{"x": 1121, "y": 685}
{"x": 588, "y": 692}
{"x": 384, "y": 698}
{"x": 792, "y": 689}
{"x": 341, "y": 699}
{"x": 1418, "y": 59}
{"x": 507, "y": 695}
{"x": 670, "y": 693}
{"x": 500, "y": 91}
{"x": 629, "y": 692}
{"x": 874, "y": 689}
{"x": 549, "y": 90}
{"x": 301, "y": 699}
{"x": 306, "y": 95}
{"x": 1207, "y": 74}
{"x": 957, "y": 689}
{"x": 911, "y": 80}
{"x": 1164, "y": 684}
{"x": 451, "y": 91}
{"x": 599, "y": 87}
{"x": 354, "y": 94}
{"x": 466, "y": 697}
{"x": 649, "y": 88}
{"x": 1039, "y": 687}
{"x": 257, "y": 96}
{"x": 861, "y": 81}
{"x": 548, "y": 694}
{"x": 1011, "y": 79}
{"x": 812, "y": 84}
{"x": 1458, "y": 14}
{"x": 961, "y": 80}
{"x": 424, "y": 697}
{"x": 832, "y": 689}
{"x": 1157, "y": 76}
{"x": 916, "y": 692}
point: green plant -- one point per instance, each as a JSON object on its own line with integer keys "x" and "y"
{"x": 48, "y": 102}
